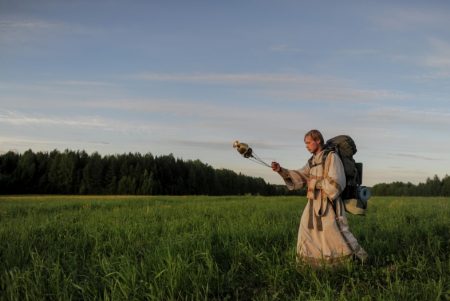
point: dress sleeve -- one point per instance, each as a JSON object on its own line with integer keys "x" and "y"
{"x": 295, "y": 179}
{"x": 334, "y": 176}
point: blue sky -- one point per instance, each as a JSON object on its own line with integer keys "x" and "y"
{"x": 190, "y": 77}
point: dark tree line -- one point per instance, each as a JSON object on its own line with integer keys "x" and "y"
{"x": 71, "y": 172}
{"x": 432, "y": 187}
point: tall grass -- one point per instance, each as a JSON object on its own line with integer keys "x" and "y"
{"x": 213, "y": 248}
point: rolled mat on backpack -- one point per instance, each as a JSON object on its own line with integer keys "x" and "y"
{"x": 358, "y": 206}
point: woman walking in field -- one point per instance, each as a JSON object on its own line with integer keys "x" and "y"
{"x": 324, "y": 235}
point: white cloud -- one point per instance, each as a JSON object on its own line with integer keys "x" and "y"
{"x": 21, "y": 120}
{"x": 434, "y": 61}
{"x": 360, "y": 52}
{"x": 208, "y": 121}
{"x": 29, "y": 25}
{"x": 53, "y": 93}
{"x": 411, "y": 117}
{"x": 22, "y": 31}
{"x": 411, "y": 18}
{"x": 152, "y": 105}
{"x": 439, "y": 58}
{"x": 50, "y": 85}
{"x": 337, "y": 93}
{"x": 274, "y": 87}
{"x": 24, "y": 142}
{"x": 431, "y": 76}
{"x": 233, "y": 78}
{"x": 284, "y": 48}
{"x": 415, "y": 156}
{"x": 282, "y": 86}
{"x": 80, "y": 83}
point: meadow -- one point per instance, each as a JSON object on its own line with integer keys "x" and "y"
{"x": 213, "y": 248}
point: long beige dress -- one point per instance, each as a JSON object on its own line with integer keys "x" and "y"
{"x": 323, "y": 235}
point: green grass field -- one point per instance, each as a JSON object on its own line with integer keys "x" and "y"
{"x": 213, "y": 248}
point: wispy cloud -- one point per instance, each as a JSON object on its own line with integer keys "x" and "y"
{"x": 337, "y": 93}
{"x": 212, "y": 145}
{"x": 360, "y": 52}
{"x": 431, "y": 76}
{"x": 154, "y": 105}
{"x": 18, "y": 25}
{"x": 30, "y": 141}
{"x": 20, "y": 31}
{"x": 414, "y": 156}
{"x": 30, "y": 25}
{"x": 284, "y": 48}
{"x": 407, "y": 116}
{"x": 54, "y": 93}
{"x": 281, "y": 86}
{"x": 14, "y": 32}
{"x": 411, "y": 18}
{"x": 226, "y": 78}
{"x": 274, "y": 87}
{"x": 434, "y": 60}
{"x": 208, "y": 116}
{"x": 439, "y": 58}
{"x": 20, "y": 119}
{"x": 80, "y": 83}
{"x": 163, "y": 116}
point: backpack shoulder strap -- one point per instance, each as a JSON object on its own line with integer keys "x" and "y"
{"x": 310, "y": 162}
{"x": 324, "y": 159}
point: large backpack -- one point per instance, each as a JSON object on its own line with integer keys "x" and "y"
{"x": 354, "y": 195}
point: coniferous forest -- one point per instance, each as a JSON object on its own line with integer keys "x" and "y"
{"x": 431, "y": 187}
{"x": 76, "y": 172}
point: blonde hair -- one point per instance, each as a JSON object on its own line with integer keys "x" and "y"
{"x": 315, "y": 135}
